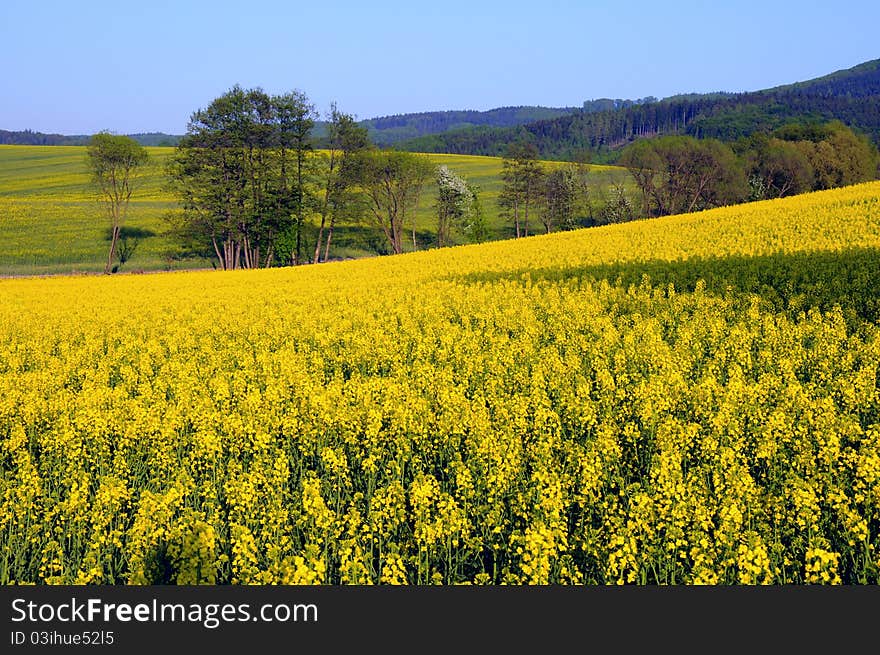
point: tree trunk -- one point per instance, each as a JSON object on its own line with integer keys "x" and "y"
{"x": 299, "y": 207}
{"x": 217, "y": 252}
{"x": 329, "y": 237}
{"x": 414, "y": 209}
{"x": 114, "y": 237}
{"x": 516, "y": 216}
{"x": 247, "y": 253}
{"x": 320, "y": 238}
{"x": 325, "y": 208}
{"x": 700, "y": 187}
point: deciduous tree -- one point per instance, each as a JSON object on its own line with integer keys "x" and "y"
{"x": 564, "y": 197}
{"x": 456, "y": 205}
{"x": 116, "y": 164}
{"x": 344, "y": 138}
{"x": 778, "y": 168}
{"x": 522, "y": 175}
{"x": 392, "y": 181}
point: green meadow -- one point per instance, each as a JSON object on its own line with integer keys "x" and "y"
{"x": 51, "y": 222}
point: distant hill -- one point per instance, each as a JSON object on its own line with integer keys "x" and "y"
{"x": 30, "y": 138}
{"x": 390, "y": 130}
{"x": 851, "y": 95}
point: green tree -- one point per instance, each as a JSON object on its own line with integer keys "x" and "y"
{"x": 475, "y": 227}
{"x": 564, "y": 197}
{"x": 392, "y": 182}
{"x": 295, "y": 118}
{"x": 116, "y": 164}
{"x": 643, "y": 162}
{"x": 522, "y": 177}
{"x": 838, "y": 155}
{"x": 778, "y": 168}
{"x": 344, "y": 138}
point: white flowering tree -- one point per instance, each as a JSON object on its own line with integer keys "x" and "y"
{"x": 457, "y": 207}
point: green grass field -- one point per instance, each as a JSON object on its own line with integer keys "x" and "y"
{"x": 51, "y": 223}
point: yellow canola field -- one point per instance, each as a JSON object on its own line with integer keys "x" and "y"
{"x": 683, "y": 400}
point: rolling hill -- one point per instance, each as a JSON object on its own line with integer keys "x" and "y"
{"x": 390, "y": 130}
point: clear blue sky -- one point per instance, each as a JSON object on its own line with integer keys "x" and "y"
{"x": 79, "y": 67}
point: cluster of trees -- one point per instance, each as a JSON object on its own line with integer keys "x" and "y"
{"x": 572, "y": 135}
{"x": 806, "y": 157}
{"x": 240, "y": 175}
{"x": 677, "y": 174}
{"x": 254, "y": 191}
{"x": 683, "y": 174}
{"x": 609, "y": 104}
{"x": 31, "y": 138}
{"x": 555, "y": 198}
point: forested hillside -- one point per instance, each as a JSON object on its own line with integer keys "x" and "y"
{"x": 390, "y": 130}
{"x": 851, "y": 96}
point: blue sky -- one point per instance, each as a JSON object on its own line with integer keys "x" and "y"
{"x": 79, "y": 67}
